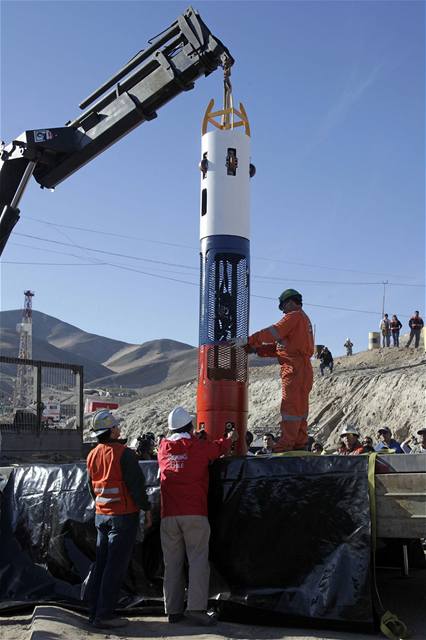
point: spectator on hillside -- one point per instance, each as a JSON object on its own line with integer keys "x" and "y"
{"x": 416, "y": 325}
{"x": 317, "y": 448}
{"x": 410, "y": 445}
{"x": 341, "y": 448}
{"x": 326, "y": 360}
{"x": 385, "y": 330}
{"x": 249, "y": 440}
{"x": 145, "y": 448}
{"x": 350, "y": 437}
{"x": 268, "y": 444}
{"x": 348, "y": 346}
{"x": 386, "y": 441}
{"x": 367, "y": 443}
{"x": 395, "y": 326}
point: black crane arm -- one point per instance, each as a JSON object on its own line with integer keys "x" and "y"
{"x": 170, "y": 65}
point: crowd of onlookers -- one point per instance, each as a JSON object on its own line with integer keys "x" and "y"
{"x": 351, "y": 443}
{"x": 390, "y": 328}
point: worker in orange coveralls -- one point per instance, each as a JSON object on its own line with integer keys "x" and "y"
{"x": 291, "y": 340}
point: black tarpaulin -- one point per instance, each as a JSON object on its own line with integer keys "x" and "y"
{"x": 290, "y": 536}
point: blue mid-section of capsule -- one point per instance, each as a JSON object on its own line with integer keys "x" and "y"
{"x": 224, "y": 288}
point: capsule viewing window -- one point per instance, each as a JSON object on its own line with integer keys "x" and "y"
{"x": 204, "y": 202}
{"x": 231, "y": 162}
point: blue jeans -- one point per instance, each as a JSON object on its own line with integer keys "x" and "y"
{"x": 114, "y": 546}
{"x": 395, "y": 338}
{"x": 385, "y": 340}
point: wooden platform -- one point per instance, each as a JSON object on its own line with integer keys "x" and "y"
{"x": 401, "y": 497}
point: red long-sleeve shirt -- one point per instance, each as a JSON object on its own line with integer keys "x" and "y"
{"x": 184, "y": 473}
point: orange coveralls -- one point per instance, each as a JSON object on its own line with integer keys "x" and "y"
{"x": 291, "y": 340}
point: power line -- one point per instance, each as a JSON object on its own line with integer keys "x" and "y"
{"x": 324, "y": 306}
{"x": 183, "y": 266}
{"x": 59, "y": 264}
{"x": 112, "y": 234}
{"x": 196, "y": 284}
{"x": 65, "y": 253}
{"x": 185, "y": 246}
{"x": 109, "y": 253}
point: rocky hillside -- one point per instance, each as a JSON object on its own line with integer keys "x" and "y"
{"x": 370, "y": 389}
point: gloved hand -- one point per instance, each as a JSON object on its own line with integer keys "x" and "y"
{"x": 238, "y": 342}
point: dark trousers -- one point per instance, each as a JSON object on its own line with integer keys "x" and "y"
{"x": 395, "y": 338}
{"x": 414, "y": 333}
{"x": 323, "y": 366}
{"x": 114, "y": 546}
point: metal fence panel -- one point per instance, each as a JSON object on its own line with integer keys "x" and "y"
{"x": 37, "y": 395}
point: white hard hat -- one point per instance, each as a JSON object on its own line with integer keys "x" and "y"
{"x": 349, "y": 428}
{"x": 178, "y": 418}
{"x": 103, "y": 421}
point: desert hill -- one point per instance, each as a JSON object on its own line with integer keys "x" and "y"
{"x": 64, "y": 336}
{"x": 370, "y": 389}
{"x": 42, "y": 350}
{"x": 106, "y": 362}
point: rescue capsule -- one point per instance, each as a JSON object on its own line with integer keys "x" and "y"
{"x": 222, "y": 395}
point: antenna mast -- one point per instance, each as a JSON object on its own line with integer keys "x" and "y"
{"x": 24, "y": 374}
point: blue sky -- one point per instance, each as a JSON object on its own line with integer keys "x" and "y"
{"x": 335, "y": 96}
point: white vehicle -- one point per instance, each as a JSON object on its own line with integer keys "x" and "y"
{"x": 51, "y": 413}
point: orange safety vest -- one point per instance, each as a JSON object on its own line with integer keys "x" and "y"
{"x": 112, "y": 495}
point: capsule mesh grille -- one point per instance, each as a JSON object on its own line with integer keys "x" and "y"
{"x": 227, "y": 315}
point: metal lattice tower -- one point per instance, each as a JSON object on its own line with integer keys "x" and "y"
{"x": 24, "y": 391}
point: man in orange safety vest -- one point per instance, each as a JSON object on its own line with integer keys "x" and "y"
{"x": 117, "y": 485}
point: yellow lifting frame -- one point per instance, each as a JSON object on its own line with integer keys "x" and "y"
{"x": 227, "y": 121}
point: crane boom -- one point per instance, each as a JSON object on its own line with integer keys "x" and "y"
{"x": 170, "y": 65}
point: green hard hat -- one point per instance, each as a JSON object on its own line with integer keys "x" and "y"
{"x": 288, "y": 293}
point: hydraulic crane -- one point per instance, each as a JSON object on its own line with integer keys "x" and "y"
{"x": 171, "y": 64}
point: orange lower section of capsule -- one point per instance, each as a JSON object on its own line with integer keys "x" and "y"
{"x": 221, "y": 397}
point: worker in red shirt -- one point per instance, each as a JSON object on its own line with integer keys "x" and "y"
{"x": 353, "y": 446}
{"x": 291, "y": 341}
{"x": 416, "y": 325}
{"x": 117, "y": 486}
{"x": 183, "y": 459}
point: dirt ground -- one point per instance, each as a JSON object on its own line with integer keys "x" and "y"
{"x": 404, "y": 596}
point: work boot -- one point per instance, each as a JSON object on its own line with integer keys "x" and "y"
{"x": 201, "y": 619}
{"x": 175, "y": 617}
{"x": 110, "y": 623}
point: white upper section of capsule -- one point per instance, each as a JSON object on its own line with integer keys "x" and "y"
{"x": 227, "y": 197}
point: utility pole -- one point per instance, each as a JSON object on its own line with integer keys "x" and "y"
{"x": 385, "y": 282}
